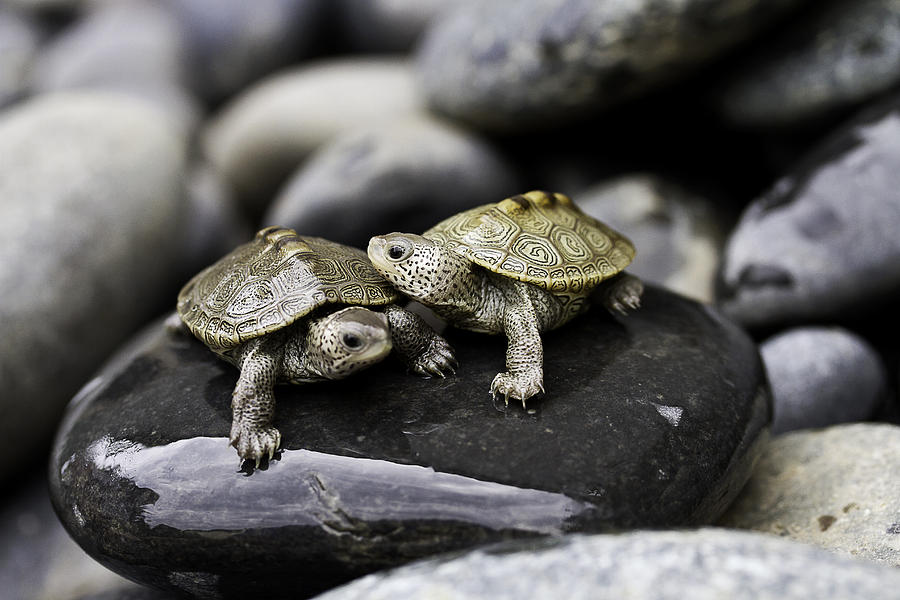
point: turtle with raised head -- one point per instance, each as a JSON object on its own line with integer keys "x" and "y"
{"x": 520, "y": 267}
{"x": 293, "y": 308}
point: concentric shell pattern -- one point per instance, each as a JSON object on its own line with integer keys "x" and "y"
{"x": 271, "y": 282}
{"x": 540, "y": 238}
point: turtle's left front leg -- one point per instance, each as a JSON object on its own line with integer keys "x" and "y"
{"x": 421, "y": 348}
{"x": 253, "y": 402}
{"x": 524, "y": 376}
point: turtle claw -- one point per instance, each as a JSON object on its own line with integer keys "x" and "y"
{"x": 438, "y": 360}
{"x": 253, "y": 444}
{"x": 521, "y": 386}
{"x": 623, "y": 293}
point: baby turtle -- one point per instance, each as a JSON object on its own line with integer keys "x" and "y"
{"x": 297, "y": 309}
{"x": 521, "y": 266}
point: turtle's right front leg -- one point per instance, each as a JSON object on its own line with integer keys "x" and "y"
{"x": 524, "y": 376}
{"x": 253, "y": 402}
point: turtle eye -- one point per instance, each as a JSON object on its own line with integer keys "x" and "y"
{"x": 398, "y": 251}
{"x": 352, "y": 341}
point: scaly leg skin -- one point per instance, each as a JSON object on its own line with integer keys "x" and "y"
{"x": 524, "y": 376}
{"x": 621, "y": 293}
{"x": 424, "y": 351}
{"x": 253, "y": 403}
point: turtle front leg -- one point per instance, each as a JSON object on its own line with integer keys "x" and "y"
{"x": 621, "y": 293}
{"x": 253, "y": 402}
{"x": 524, "y": 376}
{"x": 421, "y": 348}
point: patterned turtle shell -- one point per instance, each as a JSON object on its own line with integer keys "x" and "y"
{"x": 273, "y": 281}
{"x": 540, "y": 238}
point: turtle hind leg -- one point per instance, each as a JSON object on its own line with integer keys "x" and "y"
{"x": 253, "y": 402}
{"x": 621, "y": 293}
{"x": 524, "y": 376}
{"x": 421, "y": 348}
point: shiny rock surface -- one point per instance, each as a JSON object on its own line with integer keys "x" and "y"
{"x": 652, "y": 420}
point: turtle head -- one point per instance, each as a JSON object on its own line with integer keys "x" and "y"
{"x": 419, "y": 267}
{"x": 348, "y": 340}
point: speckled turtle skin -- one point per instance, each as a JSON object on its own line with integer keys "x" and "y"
{"x": 291, "y": 308}
{"x": 519, "y": 267}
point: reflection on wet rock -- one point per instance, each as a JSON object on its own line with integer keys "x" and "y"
{"x": 652, "y": 420}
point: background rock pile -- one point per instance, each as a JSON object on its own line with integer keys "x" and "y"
{"x": 750, "y": 149}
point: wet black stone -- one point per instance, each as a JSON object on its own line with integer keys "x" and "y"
{"x": 653, "y": 420}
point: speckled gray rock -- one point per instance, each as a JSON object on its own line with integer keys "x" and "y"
{"x": 38, "y": 559}
{"x": 89, "y": 223}
{"x": 838, "y": 488}
{"x": 707, "y": 564}
{"x": 230, "y": 43}
{"x": 679, "y": 235}
{"x": 822, "y": 376}
{"x": 386, "y": 25}
{"x": 844, "y": 53}
{"x": 528, "y": 63}
{"x": 19, "y": 39}
{"x": 266, "y": 132}
{"x": 133, "y": 46}
{"x": 402, "y": 175}
{"x": 822, "y": 243}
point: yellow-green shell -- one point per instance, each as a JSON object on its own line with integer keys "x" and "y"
{"x": 273, "y": 281}
{"x": 540, "y": 238}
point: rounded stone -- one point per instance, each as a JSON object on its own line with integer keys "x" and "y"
{"x": 707, "y": 564}
{"x": 802, "y": 252}
{"x": 822, "y": 376}
{"x": 833, "y": 487}
{"x": 265, "y": 133}
{"x": 20, "y": 37}
{"x": 133, "y": 47}
{"x": 384, "y": 468}
{"x": 231, "y": 43}
{"x": 529, "y": 64}
{"x": 842, "y": 54}
{"x": 402, "y": 175}
{"x": 89, "y": 225}
{"x": 679, "y": 235}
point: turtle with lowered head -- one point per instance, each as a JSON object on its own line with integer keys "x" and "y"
{"x": 519, "y": 267}
{"x": 293, "y": 308}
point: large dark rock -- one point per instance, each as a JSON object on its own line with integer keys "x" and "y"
{"x": 657, "y": 565}
{"x": 822, "y": 243}
{"x": 526, "y": 64}
{"x": 653, "y": 420}
{"x": 90, "y": 228}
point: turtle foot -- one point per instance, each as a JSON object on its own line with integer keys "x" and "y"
{"x": 623, "y": 294}
{"x": 253, "y": 444}
{"x": 174, "y": 325}
{"x": 520, "y": 387}
{"x": 438, "y": 360}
